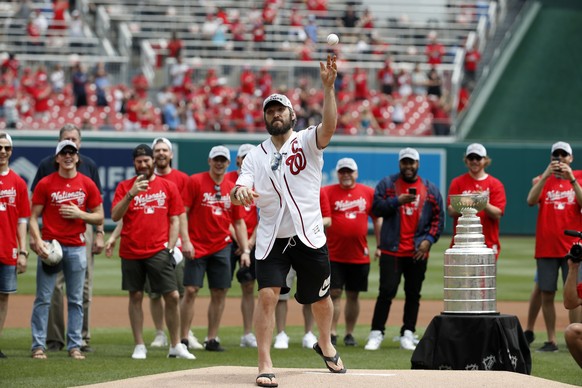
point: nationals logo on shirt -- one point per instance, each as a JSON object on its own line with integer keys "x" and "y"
{"x": 351, "y": 208}
{"x": 10, "y": 194}
{"x": 561, "y": 198}
{"x": 150, "y": 201}
{"x": 60, "y": 197}
{"x": 296, "y": 161}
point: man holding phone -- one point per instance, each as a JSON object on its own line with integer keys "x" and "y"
{"x": 477, "y": 180}
{"x": 413, "y": 220}
{"x": 150, "y": 208}
{"x": 558, "y": 194}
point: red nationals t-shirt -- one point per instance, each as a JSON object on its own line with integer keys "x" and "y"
{"x": 558, "y": 210}
{"x": 14, "y": 204}
{"x": 409, "y": 216}
{"x": 250, "y": 212}
{"x": 210, "y": 213}
{"x": 346, "y": 237}
{"x": 146, "y": 223}
{"x": 52, "y": 192}
{"x": 465, "y": 184}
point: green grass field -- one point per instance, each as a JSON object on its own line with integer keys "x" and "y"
{"x": 112, "y": 361}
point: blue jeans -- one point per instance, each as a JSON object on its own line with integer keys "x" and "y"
{"x": 74, "y": 267}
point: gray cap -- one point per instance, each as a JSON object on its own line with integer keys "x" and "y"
{"x": 162, "y": 140}
{"x": 63, "y": 144}
{"x": 346, "y": 163}
{"x": 219, "y": 151}
{"x": 410, "y": 153}
{"x": 476, "y": 149}
{"x": 562, "y": 145}
{"x": 280, "y": 98}
{"x": 244, "y": 149}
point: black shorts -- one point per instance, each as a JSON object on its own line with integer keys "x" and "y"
{"x": 244, "y": 274}
{"x": 354, "y": 277}
{"x": 311, "y": 265}
{"x": 548, "y": 272}
{"x": 158, "y": 268}
{"x": 216, "y": 266}
{"x": 179, "y": 271}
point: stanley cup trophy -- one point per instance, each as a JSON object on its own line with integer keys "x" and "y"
{"x": 469, "y": 266}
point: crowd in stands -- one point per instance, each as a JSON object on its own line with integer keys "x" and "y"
{"x": 398, "y": 100}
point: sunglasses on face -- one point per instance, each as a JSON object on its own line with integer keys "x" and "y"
{"x": 218, "y": 194}
{"x": 474, "y": 157}
{"x": 6, "y": 148}
{"x": 276, "y": 161}
{"x": 558, "y": 153}
{"x": 67, "y": 152}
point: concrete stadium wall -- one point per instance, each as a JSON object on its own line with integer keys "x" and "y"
{"x": 515, "y": 164}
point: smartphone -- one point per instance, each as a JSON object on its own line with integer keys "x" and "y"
{"x": 412, "y": 190}
{"x": 557, "y": 171}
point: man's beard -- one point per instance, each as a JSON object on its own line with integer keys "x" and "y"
{"x": 275, "y": 131}
{"x": 148, "y": 173}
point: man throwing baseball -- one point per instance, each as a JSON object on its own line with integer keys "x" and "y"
{"x": 283, "y": 177}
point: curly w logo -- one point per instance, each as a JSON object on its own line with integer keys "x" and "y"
{"x": 296, "y": 161}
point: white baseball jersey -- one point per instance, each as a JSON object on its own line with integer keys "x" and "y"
{"x": 295, "y": 188}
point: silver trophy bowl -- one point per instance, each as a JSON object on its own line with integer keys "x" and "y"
{"x": 476, "y": 201}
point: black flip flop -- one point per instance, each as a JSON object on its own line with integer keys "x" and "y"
{"x": 269, "y": 376}
{"x": 326, "y": 359}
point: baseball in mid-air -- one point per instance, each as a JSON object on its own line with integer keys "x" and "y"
{"x": 332, "y": 39}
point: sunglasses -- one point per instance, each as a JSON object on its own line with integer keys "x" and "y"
{"x": 6, "y": 148}
{"x": 474, "y": 157}
{"x": 276, "y": 161}
{"x": 68, "y": 152}
{"x": 558, "y": 153}
{"x": 218, "y": 194}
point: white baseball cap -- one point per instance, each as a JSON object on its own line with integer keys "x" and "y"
{"x": 562, "y": 145}
{"x": 219, "y": 151}
{"x": 162, "y": 140}
{"x": 63, "y": 144}
{"x": 4, "y": 135}
{"x": 476, "y": 149}
{"x": 410, "y": 153}
{"x": 244, "y": 149}
{"x": 280, "y": 98}
{"x": 346, "y": 163}
{"x": 55, "y": 254}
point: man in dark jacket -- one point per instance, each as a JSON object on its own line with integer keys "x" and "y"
{"x": 412, "y": 209}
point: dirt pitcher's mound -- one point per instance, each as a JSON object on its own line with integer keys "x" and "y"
{"x": 232, "y": 376}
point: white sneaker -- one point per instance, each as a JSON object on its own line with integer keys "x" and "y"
{"x": 193, "y": 341}
{"x": 139, "y": 352}
{"x": 281, "y": 341}
{"x": 180, "y": 351}
{"x": 160, "y": 341}
{"x": 415, "y": 340}
{"x": 375, "y": 338}
{"x": 407, "y": 341}
{"x": 309, "y": 339}
{"x": 248, "y": 341}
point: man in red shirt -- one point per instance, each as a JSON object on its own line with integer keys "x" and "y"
{"x": 67, "y": 201}
{"x": 434, "y": 50}
{"x": 150, "y": 208}
{"x": 163, "y": 156}
{"x": 558, "y": 194}
{"x": 210, "y": 216}
{"x": 476, "y": 180}
{"x": 14, "y": 213}
{"x": 349, "y": 256}
{"x": 413, "y": 220}
{"x": 245, "y": 274}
